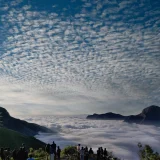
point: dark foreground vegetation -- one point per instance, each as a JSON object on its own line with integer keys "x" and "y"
{"x": 71, "y": 153}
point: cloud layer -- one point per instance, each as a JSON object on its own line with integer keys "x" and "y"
{"x": 80, "y": 53}
{"x": 117, "y": 136}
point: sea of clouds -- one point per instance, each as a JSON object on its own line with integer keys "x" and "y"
{"x": 117, "y": 136}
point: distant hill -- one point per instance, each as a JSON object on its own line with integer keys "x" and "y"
{"x": 21, "y": 126}
{"x": 106, "y": 116}
{"x": 12, "y": 139}
{"x": 148, "y": 115}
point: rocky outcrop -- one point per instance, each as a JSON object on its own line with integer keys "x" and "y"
{"x": 21, "y": 126}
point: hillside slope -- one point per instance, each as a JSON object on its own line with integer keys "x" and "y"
{"x": 12, "y": 139}
{"x": 21, "y": 126}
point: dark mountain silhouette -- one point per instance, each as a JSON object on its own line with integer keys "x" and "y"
{"x": 21, "y": 126}
{"x": 148, "y": 115}
{"x": 106, "y": 116}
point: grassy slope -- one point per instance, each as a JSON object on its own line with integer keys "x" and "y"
{"x": 12, "y": 139}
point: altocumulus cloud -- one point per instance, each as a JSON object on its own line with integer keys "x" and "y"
{"x": 75, "y": 54}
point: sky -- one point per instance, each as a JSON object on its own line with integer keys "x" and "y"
{"x": 79, "y": 56}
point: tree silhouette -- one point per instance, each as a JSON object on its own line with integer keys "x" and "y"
{"x": 147, "y": 153}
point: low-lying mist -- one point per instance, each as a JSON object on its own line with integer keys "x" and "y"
{"x": 119, "y": 137}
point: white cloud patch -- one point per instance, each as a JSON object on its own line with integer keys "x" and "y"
{"x": 93, "y": 50}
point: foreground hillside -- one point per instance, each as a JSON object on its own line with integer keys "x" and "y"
{"x": 13, "y": 139}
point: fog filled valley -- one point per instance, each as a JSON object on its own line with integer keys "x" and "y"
{"x": 117, "y": 136}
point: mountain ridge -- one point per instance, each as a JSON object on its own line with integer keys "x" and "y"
{"x": 106, "y": 116}
{"x": 149, "y": 114}
{"x": 21, "y": 126}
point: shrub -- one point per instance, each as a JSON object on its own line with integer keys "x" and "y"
{"x": 147, "y": 153}
{"x": 70, "y": 152}
{"x": 37, "y": 154}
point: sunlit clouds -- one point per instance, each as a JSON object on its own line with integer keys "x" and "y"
{"x": 79, "y": 56}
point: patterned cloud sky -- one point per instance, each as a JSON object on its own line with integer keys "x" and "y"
{"x": 79, "y": 56}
